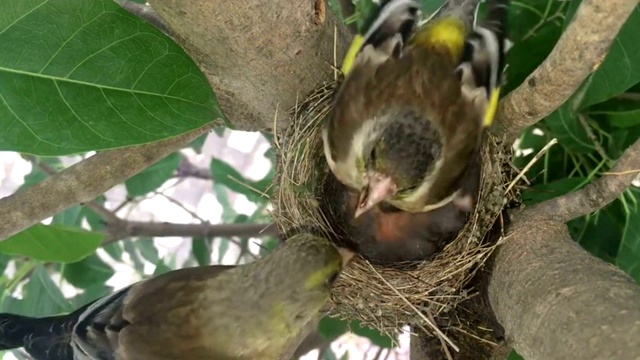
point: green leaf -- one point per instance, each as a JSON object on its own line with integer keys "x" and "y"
{"x": 161, "y": 268}
{"x": 148, "y": 250}
{"x": 542, "y": 192}
{"x": 621, "y": 68}
{"x": 201, "y": 250}
{"x": 132, "y": 250}
{"x": 198, "y": 143}
{"x": 87, "y": 75}
{"x": 255, "y": 191}
{"x": 515, "y": 356}
{"x": 601, "y": 233}
{"x": 618, "y": 112}
{"x": 223, "y": 247}
{"x": 52, "y": 243}
{"x": 332, "y": 327}
{"x": 41, "y": 296}
{"x": 90, "y": 271}
{"x": 228, "y": 212}
{"x": 522, "y": 61}
{"x": 4, "y": 261}
{"x": 374, "y": 335}
{"x": 565, "y": 125}
{"x": 114, "y": 250}
{"x": 628, "y": 258}
{"x": 90, "y": 294}
{"x": 621, "y": 139}
{"x": 70, "y": 217}
{"x": 154, "y": 176}
{"x": 96, "y": 222}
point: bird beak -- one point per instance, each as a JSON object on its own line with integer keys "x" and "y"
{"x": 346, "y": 255}
{"x": 379, "y": 188}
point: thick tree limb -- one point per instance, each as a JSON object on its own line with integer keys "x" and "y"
{"x": 556, "y": 301}
{"x": 579, "y": 52}
{"x": 258, "y": 56}
{"x": 83, "y": 182}
{"x": 597, "y": 194}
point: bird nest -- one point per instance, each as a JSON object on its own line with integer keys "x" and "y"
{"x": 384, "y": 297}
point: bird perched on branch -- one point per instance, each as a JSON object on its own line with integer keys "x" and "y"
{"x": 250, "y": 312}
{"x": 409, "y": 116}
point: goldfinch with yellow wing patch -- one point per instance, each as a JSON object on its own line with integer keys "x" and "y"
{"x": 250, "y": 312}
{"x": 410, "y": 114}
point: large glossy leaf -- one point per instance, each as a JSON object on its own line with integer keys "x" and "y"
{"x": 40, "y": 297}
{"x": 601, "y": 233}
{"x": 53, "y": 243}
{"x": 88, "y": 272}
{"x": 618, "y": 112}
{"x": 629, "y": 251}
{"x": 79, "y": 75}
{"x": 542, "y": 192}
{"x": 90, "y": 294}
{"x": 621, "y": 68}
{"x": 153, "y": 177}
{"x": 565, "y": 125}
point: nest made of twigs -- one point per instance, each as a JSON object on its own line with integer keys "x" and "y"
{"x": 386, "y": 298}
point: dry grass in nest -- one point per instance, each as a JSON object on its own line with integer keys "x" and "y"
{"x": 383, "y": 297}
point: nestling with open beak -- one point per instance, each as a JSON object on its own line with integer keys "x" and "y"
{"x": 409, "y": 116}
{"x": 386, "y": 235}
{"x": 250, "y": 312}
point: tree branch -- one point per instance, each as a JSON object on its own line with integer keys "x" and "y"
{"x": 121, "y": 229}
{"x": 257, "y": 56}
{"x": 187, "y": 169}
{"x": 544, "y": 284}
{"x": 579, "y": 52}
{"x": 83, "y": 182}
{"x": 596, "y": 195}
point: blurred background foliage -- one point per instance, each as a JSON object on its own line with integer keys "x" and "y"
{"x": 62, "y": 100}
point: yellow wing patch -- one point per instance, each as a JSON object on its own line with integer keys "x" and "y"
{"x": 352, "y": 53}
{"x": 492, "y": 108}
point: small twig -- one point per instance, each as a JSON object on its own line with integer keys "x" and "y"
{"x": 182, "y": 206}
{"x": 618, "y": 173}
{"x": 474, "y": 336}
{"x": 445, "y": 348}
{"x": 248, "y": 186}
{"x": 431, "y": 324}
{"x": 531, "y": 163}
{"x": 585, "y": 124}
{"x": 124, "y": 229}
{"x": 348, "y": 10}
{"x": 187, "y": 169}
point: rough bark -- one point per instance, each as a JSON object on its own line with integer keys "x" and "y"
{"x": 259, "y": 56}
{"x": 556, "y": 301}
